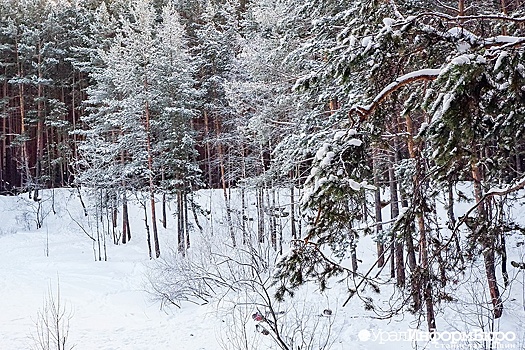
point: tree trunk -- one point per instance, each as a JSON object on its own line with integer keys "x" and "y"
{"x": 180, "y": 226}
{"x": 487, "y": 241}
{"x": 148, "y": 235}
{"x": 260, "y": 214}
{"x": 273, "y": 217}
{"x": 3, "y": 151}
{"x": 40, "y": 127}
{"x": 224, "y": 187}
{"x": 186, "y": 222}
{"x": 244, "y": 214}
{"x": 151, "y": 185}
{"x": 396, "y": 260}
{"x": 208, "y": 149}
{"x": 420, "y": 218}
{"x": 380, "y": 246}
{"x": 126, "y": 234}
{"x": 292, "y": 212}
{"x": 24, "y": 161}
{"x": 164, "y": 214}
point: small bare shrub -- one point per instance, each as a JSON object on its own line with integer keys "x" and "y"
{"x": 52, "y": 323}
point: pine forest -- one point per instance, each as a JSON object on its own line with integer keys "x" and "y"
{"x": 314, "y": 174}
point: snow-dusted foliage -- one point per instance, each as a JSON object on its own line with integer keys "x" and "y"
{"x": 325, "y": 124}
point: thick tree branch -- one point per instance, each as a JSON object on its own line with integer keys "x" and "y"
{"x": 419, "y": 75}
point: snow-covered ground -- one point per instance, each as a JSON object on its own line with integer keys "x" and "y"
{"x": 110, "y": 308}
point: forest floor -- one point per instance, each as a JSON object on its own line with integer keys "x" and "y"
{"x": 109, "y": 307}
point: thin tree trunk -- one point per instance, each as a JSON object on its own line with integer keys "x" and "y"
{"x": 260, "y": 214}
{"x": 488, "y": 243}
{"x": 3, "y": 153}
{"x": 292, "y": 212}
{"x": 273, "y": 218}
{"x": 186, "y": 223}
{"x": 244, "y": 214}
{"x": 40, "y": 127}
{"x": 423, "y": 247}
{"x": 194, "y": 211}
{"x": 164, "y": 214}
{"x": 519, "y": 168}
{"x": 378, "y": 216}
{"x": 224, "y": 187}
{"x": 452, "y": 222}
{"x": 148, "y": 234}
{"x": 207, "y": 148}
{"x": 23, "y": 147}
{"x": 151, "y": 185}
{"x": 180, "y": 225}
{"x": 394, "y": 213}
{"x": 126, "y": 234}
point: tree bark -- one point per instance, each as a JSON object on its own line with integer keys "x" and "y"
{"x": 224, "y": 187}
{"x": 151, "y": 185}
{"x": 487, "y": 241}
{"x": 126, "y": 233}
{"x": 380, "y": 246}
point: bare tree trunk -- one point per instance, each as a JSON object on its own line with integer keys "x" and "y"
{"x": 40, "y": 127}
{"x": 164, "y": 214}
{"x": 207, "y": 148}
{"x": 23, "y": 147}
{"x": 273, "y": 218}
{"x": 378, "y": 216}
{"x": 452, "y": 222}
{"x": 488, "y": 243}
{"x": 151, "y": 185}
{"x": 148, "y": 234}
{"x": 423, "y": 247}
{"x": 353, "y": 251}
{"x": 292, "y": 208}
{"x": 186, "y": 223}
{"x": 224, "y": 187}
{"x": 244, "y": 214}
{"x": 396, "y": 262}
{"x": 180, "y": 225}
{"x": 126, "y": 234}
{"x": 519, "y": 168}
{"x": 260, "y": 214}
{"x": 3, "y": 153}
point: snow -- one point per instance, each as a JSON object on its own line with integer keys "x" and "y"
{"x": 321, "y": 152}
{"x": 339, "y": 134}
{"x": 327, "y": 160}
{"x": 501, "y": 56}
{"x": 447, "y": 99}
{"x": 355, "y": 142}
{"x": 461, "y": 60}
{"x": 388, "y": 22}
{"x": 461, "y": 32}
{"x": 109, "y": 306}
{"x": 401, "y": 80}
{"x": 504, "y": 39}
{"x": 112, "y": 310}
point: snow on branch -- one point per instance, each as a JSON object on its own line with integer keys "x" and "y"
{"x": 422, "y": 74}
{"x": 518, "y": 185}
{"x": 495, "y": 17}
